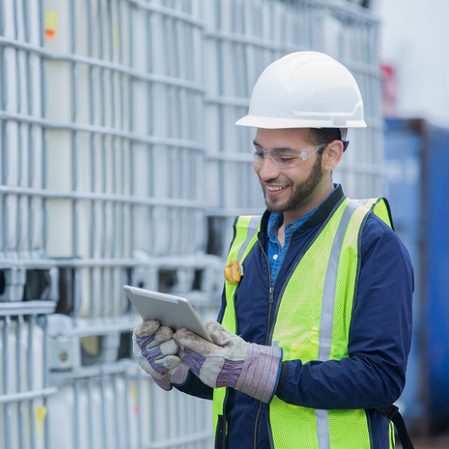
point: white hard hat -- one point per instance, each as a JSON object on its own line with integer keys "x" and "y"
{"x": 305, "y": 89}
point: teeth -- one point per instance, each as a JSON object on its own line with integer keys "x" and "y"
{"x": 276, "y": 188}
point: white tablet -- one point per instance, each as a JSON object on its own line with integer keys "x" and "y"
{"x": 172, "y": 311}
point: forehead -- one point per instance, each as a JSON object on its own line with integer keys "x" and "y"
{"x": 283, "y": 138}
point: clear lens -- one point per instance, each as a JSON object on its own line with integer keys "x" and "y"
{"x": 284, "y": 158}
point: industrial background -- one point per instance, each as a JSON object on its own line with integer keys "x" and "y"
{"x": 120, "y": 164}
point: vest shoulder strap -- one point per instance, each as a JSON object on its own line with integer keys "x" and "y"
{"x": 379, "y": 206}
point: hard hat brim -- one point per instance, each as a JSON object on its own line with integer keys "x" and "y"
{"x": 280, "y": 123}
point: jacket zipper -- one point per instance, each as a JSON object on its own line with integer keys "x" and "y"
{"x": 267, "y": 338}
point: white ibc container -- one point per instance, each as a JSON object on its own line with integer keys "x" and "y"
{"x": 87, "y": 160}
{"x": 214, "y": 182}
{"x": 22, "y": 349}
{"x": 63, "y": 419}
{"x": 170, "y": 416}
{"x": 11, "y": 208}
{"x": 58, "y": 74}
{"x": 101, "y": 292}
{"x": 93, "y": 413}
{"x": 78, "y": 229}
{"x": 70, "y": 228}
{"x": 70, "y": 222}
{"x": 2, "y": 224}
{"x": 21, "y": 144}
{"x": 198, "y": 222}
{"x": 60, "y": 226}
{"x": 15, "y": 343}
{"x": 144, "y": 229}
{"x": 168, "y": 108}
{"x": 29, "y": 433}
{"x": 96, "y": 226}
{"x": 154, "y": 413}
{"x": 162, "y": 178}
{"x": 235, "y": 64}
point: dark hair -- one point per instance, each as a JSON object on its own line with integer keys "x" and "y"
{"x": 326, "y": 135}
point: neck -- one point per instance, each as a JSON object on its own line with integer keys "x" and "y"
{"x": 322, "y": 191}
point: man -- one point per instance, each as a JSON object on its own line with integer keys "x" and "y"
{"x": 316, "y": 314}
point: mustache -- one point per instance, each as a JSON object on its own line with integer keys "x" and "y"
{"x": 276, "y": 182}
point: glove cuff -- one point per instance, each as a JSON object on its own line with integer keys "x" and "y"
{"x": 260, "y": 372}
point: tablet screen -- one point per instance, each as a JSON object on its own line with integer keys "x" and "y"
{"x": 175, "y": 312}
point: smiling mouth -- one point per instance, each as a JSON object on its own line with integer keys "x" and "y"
{"x": 275, "y": 188}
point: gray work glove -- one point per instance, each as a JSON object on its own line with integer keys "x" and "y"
{"x": 156, "y": 352}
{"x": 231, "y": 362}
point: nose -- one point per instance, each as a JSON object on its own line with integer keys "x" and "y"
{"x": 267, "y": 170}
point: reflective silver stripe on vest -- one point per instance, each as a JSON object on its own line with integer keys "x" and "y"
{"x": 253, "y": 227}
{"x": 327, "y": 311}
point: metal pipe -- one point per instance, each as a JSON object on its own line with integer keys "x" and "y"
{"x": 26, "y": 396}
{"x": 104, "y": 197}
{"x": 102, "y": 131}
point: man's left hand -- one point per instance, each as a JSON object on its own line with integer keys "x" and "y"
{"x": 229, "y": 361}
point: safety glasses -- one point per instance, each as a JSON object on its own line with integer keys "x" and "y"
{"x": 284, "y": 157}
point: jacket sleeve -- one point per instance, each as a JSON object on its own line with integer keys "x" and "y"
{"x": 379, "y": 341}
{"x": 194, "y": 387}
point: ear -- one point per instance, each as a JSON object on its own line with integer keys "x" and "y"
{"x": 332, "y": 155}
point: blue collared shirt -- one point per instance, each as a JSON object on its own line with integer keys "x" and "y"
{"x": 275, "y": 252}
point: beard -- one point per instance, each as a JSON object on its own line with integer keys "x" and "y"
{"x": 301, "y": 191}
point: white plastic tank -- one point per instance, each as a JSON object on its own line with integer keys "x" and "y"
{"x": 170, "y": 416}
{"x": 21, "y": 228}
{"x": 93, "y": 412}
{"x": 21, "y": 348}
{"x": 101, "y": 291}
{"x": 91, "y": 165}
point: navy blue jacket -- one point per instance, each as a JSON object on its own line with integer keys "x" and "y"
{"x": 374, "y": 373}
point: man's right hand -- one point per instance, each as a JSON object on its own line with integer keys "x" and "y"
{"x": 155, "y": 349}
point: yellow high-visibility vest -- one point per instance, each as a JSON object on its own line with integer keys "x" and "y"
{"x": 312, "y": 323}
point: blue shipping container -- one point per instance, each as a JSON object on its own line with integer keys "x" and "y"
{"x": 417, "y": 168}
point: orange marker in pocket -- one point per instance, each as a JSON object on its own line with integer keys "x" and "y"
{"x": 233, "y": 272}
